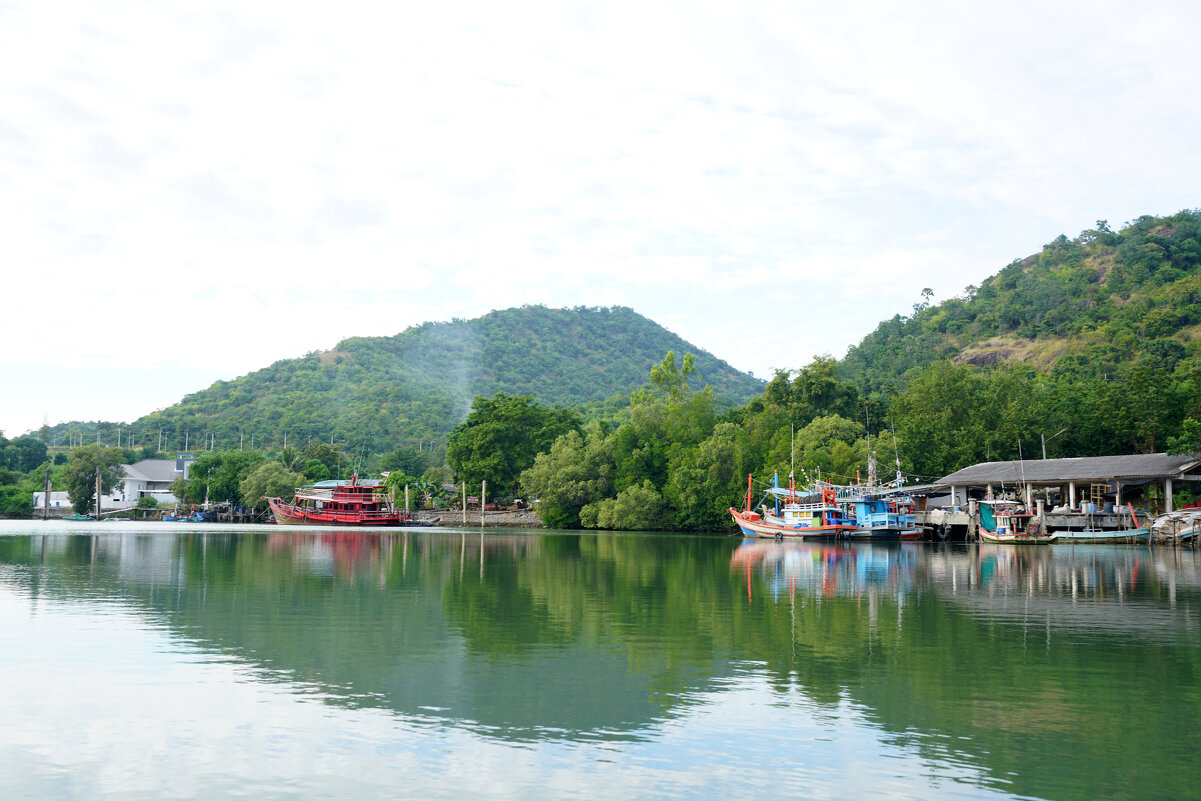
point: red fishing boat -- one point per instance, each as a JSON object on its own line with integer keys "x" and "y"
{"x": 332, "y": 503}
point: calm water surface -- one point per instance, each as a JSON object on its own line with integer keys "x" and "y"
{"x": 163, "y": 661}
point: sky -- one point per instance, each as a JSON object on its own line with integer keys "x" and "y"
{"x": 190, "y": 191}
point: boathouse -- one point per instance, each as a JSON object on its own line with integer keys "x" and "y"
{"x": 1086, "y": 479}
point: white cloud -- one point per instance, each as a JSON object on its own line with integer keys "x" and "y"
{"x": 283, "y": 176}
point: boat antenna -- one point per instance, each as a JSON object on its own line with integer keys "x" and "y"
{"x": 792, "y": 449}
{"x": 897, "y": 452}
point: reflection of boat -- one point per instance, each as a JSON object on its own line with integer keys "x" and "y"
{"x": 1002, "y": 522}
{"x": 339, "y": 504}
{"x": 826, "y": 567}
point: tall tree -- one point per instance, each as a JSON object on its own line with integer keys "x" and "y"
{"x": 80, "y": 474}
{"x": 270, "y": 479}
{"x": 576, "y": 472}
{"x": 502, "y": 436}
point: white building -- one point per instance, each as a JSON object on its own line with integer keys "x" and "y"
{"x": 149, "y": 478}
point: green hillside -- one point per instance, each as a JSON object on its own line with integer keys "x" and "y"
{"x": 1090, "y": 305}
{"x": 378, "y": 392}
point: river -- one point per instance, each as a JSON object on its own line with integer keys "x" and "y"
{"x": 205, "y": 661}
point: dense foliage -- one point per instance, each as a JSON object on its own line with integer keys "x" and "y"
{"x": 81, "y": 472}
{"x": 1089, "y": 347}
{"x": 1099, "y": 300}
{"x": 501, "y": 437}
{"x": 374, "y": 394}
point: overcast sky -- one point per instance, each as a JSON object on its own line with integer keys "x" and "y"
{"x": 192, "y": 190}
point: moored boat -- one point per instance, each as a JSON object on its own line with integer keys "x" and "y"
{"x": 188, "y": 518}
{"x": 881, "y": 515}
{"x": 1006, "y": 524}
{"x": 1139, "y": 533}
{"x": 811, "y": 517}
{"x": 339, "y": 504}
{"x": 1094, "y": 536}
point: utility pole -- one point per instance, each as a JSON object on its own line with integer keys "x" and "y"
{"x": 46, "y": 497}
{"x": 97, "y": 492}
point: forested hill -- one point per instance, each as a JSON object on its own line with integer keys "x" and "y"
{"x": 383, "y": 391}
{"x": 1092, "y": 305}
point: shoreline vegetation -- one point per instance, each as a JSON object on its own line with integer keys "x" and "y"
{"x": 1090, "y": 347}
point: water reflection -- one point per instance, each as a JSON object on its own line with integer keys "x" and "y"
{"x": 1088, "y": 590}
{"x": 987, "y": 664}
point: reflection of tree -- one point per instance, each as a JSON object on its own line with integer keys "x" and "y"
{"x": 964, "y": 653}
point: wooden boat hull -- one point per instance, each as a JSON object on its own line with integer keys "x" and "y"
{"x": 288, "y": 514}
{"x": 1099, "y": 537}
{"x": 752, "y": 525}
{"x": 1009, "y": 538}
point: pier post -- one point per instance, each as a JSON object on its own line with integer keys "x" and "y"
{"x": 1167, "y": 495}
{"x": 1071, "y": 495}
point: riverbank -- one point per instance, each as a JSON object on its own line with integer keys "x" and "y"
{"x": 522, "y": 518}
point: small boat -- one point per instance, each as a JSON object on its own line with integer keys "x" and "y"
{"x": 1001, "y": 523}
{"x": 78, "y": 517}
{"x": 1093, "y": 536}
{"x": 811, "y": 517}
{"x": 192, "y": 518}
{"x": 1139, "y": 533}
{"x": 334, "y": 503}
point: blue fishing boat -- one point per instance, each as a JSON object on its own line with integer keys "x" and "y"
{"x": 882, "y": 515}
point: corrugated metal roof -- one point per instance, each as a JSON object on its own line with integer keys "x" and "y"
{"x": 152, "y": 470}
{"x": 1089, "y": 468}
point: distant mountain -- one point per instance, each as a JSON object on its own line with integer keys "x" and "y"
{"x": 378, "y": 392}
{"x": 1090, "y": 305}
